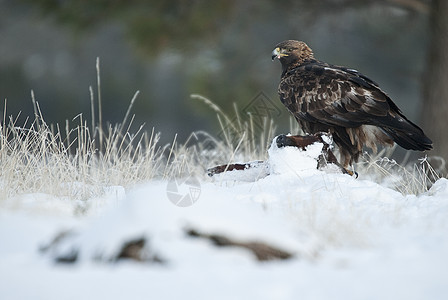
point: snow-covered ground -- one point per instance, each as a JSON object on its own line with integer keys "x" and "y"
{"x": 350, "y": 239}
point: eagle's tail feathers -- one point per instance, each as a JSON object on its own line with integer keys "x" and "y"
{"x": 410, "y": 140}
{"x": 404, "y": 132}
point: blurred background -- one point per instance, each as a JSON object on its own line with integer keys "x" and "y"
{"x": 221, "y": 49}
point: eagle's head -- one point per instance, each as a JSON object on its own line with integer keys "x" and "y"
{"x": 292, "y": 53}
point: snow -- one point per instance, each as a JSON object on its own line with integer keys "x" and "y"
{"x": 294, "y": 160}
{"x": 351, "y": 239}
{"x": 285, "y": 160}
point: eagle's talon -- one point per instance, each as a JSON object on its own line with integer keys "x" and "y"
{"x": 351, "y": 173}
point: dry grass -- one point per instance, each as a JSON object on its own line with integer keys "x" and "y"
{"x": 410, "y": 178}
{"x": 78, "y": 163}
{"x": 38, "y": 158}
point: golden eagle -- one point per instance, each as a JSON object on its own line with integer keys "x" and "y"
{"x": 342, "y": 101}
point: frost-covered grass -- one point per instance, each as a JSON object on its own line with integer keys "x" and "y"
{"x": 41, "y": 158}
{"x": 79, "y": 160}
{"x": 82, "y": 161}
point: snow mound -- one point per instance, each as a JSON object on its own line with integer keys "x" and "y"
{"x": 294, "y": 160}
{"x": 281, "y": 160}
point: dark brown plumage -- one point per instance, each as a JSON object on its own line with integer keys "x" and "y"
{"x": 342, "y": 101}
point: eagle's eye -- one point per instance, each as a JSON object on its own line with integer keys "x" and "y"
{"x": 290, "y": 49}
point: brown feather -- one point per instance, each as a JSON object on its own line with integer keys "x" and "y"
{"x": 342, "y": 101}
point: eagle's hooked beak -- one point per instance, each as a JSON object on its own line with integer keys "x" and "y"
{"x": 277, "y": 53}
